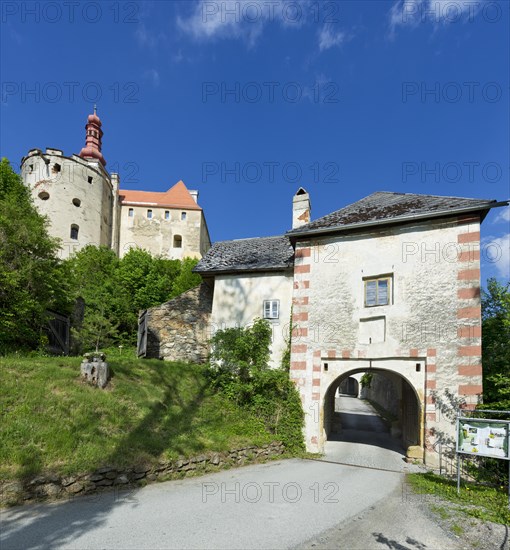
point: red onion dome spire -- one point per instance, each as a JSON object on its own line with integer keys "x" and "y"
{"x": 93, "y": 137}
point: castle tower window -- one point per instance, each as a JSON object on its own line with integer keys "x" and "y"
{"x": 30, "y": 168}
{"x": 77, "y": 202}
{"x": 44, "y": 195}
{"x": 56, "y": 167}
{"x": 89, "y": 179}
{"x": 177, "y": 241}
{"x": 131, "y": 212}
{"x": 183, "y": 216}
{"x": 167, "y": 214}
{"x": 74, "y": 231}
{"x": 149, "y": 214}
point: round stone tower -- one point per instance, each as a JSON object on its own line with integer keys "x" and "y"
{"x": 75, "y": 193}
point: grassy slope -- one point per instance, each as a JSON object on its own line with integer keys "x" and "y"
{"x": 52, "y": 421}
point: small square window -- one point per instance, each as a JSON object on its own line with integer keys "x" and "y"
{"x": 377, "y": 291}
{"x": 149, "y": 214}
{"x": 131, "y": 212}
{"x": 183, "y": 216}
{"x": 271, "y": 309}
{"x": 167, "y": 214}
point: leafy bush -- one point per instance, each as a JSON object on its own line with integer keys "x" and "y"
{"x": 240, "y": 370}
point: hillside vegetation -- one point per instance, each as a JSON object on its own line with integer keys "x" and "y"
{"x": 52, "y": 421}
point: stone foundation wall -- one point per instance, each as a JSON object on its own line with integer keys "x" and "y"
{"x": 49, "y": 486}
{"x": 178, "y": 330}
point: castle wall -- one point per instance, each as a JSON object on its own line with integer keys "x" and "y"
{"x": 70, "y": 191}
{"x": 157, "y": 234}
{"x": 430, "y": 333}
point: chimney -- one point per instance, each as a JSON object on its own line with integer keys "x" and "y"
{"x": 194, "y": 194}
{"x": 301, "y": 208}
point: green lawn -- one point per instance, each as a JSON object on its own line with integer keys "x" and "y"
{"x": 52, "y": 421}
{"x": 485, "y": 503}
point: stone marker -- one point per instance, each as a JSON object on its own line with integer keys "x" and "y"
{"x": 95, "y": 369}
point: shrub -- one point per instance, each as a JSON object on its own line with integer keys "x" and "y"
{"x": 240, "y": 370}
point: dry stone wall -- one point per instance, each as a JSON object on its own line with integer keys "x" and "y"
{"x": 50, "y": 486}
{"x": 178, "y": 330}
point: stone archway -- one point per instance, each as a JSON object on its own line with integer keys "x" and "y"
{"x": 408, "y": 375}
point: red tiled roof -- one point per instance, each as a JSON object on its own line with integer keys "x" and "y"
{"x": 177, "y": 196}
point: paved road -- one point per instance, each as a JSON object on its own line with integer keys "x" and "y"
{"x": 362, "y": 438}
{"x": 283, "y": 504}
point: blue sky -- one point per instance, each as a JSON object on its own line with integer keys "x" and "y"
{"x": 246, "y": 101}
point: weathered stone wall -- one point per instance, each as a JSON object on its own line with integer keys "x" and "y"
{"x": 51, "y": 486}
{"x": 386, "y": 390}
{"x": 157, "y": 234}
{"x": 178, "y": 330}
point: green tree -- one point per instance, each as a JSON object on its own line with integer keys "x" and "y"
{"x": 495, "y": 342}
{"x": 92, "y": 272}
{"x": 186, "y": 279}
{"x": 115, "y": 290}
{"x": 143, "y": 281}
{"x": 32, "y": 278}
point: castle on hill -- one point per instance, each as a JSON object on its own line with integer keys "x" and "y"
{"x": 85, "y": 205}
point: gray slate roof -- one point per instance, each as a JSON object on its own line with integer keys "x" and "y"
{"x": 387, "y": 207}
{"x": 258, "y": 254}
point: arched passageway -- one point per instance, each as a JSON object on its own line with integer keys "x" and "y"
{"x": 354, "y": 421}
{"x": 349, "y": 386}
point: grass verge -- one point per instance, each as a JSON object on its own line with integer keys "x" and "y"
{"x": 485, "y": 503}
{"x": 52, "y": 421}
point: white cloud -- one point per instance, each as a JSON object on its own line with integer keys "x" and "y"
{"x": 153, "y": 76}
{"x": 496, "y": 251}
{"x": 410, "y": 13}
{"x": 235, "y": 19}
{"x": 503, "y": 215}
{"x": 146, "y": 38}
{"x": 329, "y": 38}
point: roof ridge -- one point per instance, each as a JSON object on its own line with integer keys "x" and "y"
{"x": 251, "y": 239}
{"x": 421, "y": 195}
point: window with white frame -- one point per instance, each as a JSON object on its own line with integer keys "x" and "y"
{"x": 271, "y": 309}
{"x": 378, "y": 291}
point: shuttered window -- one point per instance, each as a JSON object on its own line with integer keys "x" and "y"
{"x": 271, "y": 309}
{"x": 377, "y": 291}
